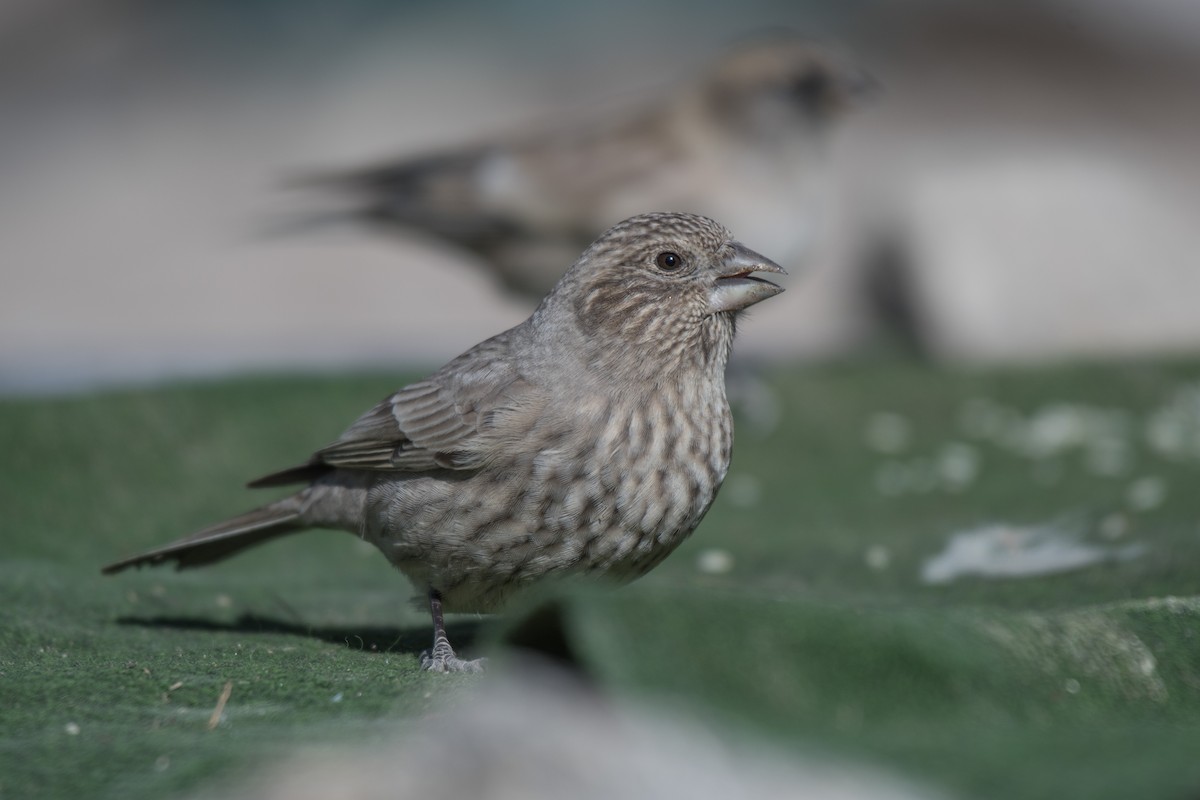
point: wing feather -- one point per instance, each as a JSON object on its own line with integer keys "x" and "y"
{"x": 428, "y": 425}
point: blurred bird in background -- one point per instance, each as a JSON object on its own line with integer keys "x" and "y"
{"x": 742, "y": 142}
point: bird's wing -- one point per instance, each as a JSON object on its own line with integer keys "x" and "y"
{"x": 422, "y": 426}
{"x": 432, "y": 424}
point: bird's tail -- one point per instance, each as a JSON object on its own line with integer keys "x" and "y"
{"x": 323, "y": 202}
{"x": 224, "y": 539}
{"x": 434, "y": 194}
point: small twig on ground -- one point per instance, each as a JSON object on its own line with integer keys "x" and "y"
{"x": 215, "y": 719}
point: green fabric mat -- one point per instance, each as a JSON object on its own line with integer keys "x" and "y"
{"x": 797, "y": 610}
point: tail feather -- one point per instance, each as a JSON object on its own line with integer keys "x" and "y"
{"x": 305, "y": 473}
{"x": 436, "y": 194}
{"x": 222, "y": 540}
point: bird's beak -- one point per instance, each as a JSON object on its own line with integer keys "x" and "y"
{"x": 735, "y": 287}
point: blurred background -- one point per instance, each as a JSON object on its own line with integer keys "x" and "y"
{"x": 1025, "y": 186}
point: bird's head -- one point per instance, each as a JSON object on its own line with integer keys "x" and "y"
{"x": 663, "y": 288}
{"x": 782, "y": 84}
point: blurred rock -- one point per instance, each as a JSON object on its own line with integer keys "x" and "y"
{"x": 543, "y": 738}
{"x": 1047, "y": 255}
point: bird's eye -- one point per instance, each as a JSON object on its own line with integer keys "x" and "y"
{"x": 668, "y": 261}
{"x": 808, "y": 88}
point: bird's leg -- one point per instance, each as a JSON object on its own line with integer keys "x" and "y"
{"x": 442, "y": 658}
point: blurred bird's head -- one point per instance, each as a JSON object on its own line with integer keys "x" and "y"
{"x": 783, "y": 85}
{"x": 662, "y": 286}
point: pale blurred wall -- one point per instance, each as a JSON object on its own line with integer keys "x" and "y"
{"x": 141, "y": 147}
{"x": 1036, "y": 178}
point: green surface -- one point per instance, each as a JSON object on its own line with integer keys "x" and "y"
{"x": 1079, "y": 684}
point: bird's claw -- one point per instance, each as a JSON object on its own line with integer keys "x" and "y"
{"x": 443, "y": 659}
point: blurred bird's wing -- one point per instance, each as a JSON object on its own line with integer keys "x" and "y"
{"x": 428, "y": 425}
{"x": 526, "y": 186}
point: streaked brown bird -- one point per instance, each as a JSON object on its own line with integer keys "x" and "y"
{"x": 743, "y": 142}
{"x": 589, "y": 439}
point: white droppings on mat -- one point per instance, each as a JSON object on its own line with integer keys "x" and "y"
{"x": 1018, "y": 551}
{"x": 878, "y": 557}
{"x": 888, "y": 432}
{"x": 1173, "y": 429}
{"x": 714, "y": 561}
{"x": 1113, "y": 526}
{"x": 1091, "y": 649}
{"x": 1146, "y": 494}
{"x": 958, "y": 465}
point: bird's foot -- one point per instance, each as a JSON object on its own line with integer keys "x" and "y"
{"x": 443, "y": 659}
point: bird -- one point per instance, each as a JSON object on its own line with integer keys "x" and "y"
{"x": 743, "y": 141}
{"x": 589, "y": 440}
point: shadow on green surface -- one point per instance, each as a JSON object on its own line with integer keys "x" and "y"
{"x": 381, "y": 639}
